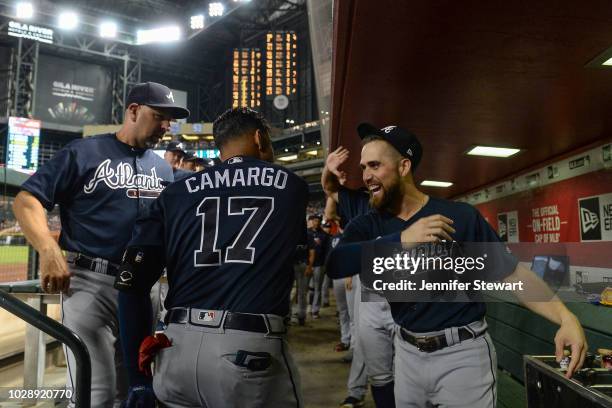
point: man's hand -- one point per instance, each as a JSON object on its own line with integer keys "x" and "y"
{"x": 348, "y": 283}
{"x": 308, "y": 271}
{"x": 429, "y": 229}
{"x": 141, "y": 396}
{"x": 571, "y": 334}
{"x": 54, "y": 274}
{"x": 334, "y": 160}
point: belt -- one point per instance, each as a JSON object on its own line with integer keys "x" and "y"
{"x": 99, "y": 265}
{"x": 429, "y": 344}
{"x": 259, "y": 323}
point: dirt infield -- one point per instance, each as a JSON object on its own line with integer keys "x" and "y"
{"x": 13, "y": 272}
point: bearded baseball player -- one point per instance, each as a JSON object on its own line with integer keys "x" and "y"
{"x": 102, "y": 184}
{"x": 449, "y": 339}
{"x": 227, "y": 237}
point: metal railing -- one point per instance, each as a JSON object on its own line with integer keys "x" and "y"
{"x": 82, "y": 391}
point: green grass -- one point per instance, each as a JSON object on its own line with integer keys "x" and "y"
{"x": 13, "y": 254}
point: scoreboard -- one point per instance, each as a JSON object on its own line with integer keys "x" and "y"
{"x": 246, "y": 78}
{"x": 23, "y": 143}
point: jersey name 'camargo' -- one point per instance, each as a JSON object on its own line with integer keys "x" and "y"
{"x": 245, "y": 177}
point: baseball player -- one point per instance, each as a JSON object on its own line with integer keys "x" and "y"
{"x": 174, "y": 155}
{"x": 200, "y": 164}
{"x": 227, "y": 237}
{"x": 317, "y": 245}
{"x": 188, "y": 162}
{"x": 339, "y": 293}
{"x": 301, "y": 283}
{"x": 464, "y": 374}
{"x": 102, "y": 184}
{"x": 374, "y": 324}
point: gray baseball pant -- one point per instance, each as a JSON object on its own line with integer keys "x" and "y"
{"x": 198, "y": 370}
{"x": 462, "y": 375}
{"x": 358, "y": 380}
{"x": 301, "y": 288}
{"x": 317, "y": 282}
{"x": 343, "y": 312}
{"x": 376, "y": 332}
{"x": 90, "y": 309}
{"x": 326, "y": 288}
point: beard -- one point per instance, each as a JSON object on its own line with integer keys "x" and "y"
{"x": 152, "y": 141}
{"x": 388, "y": 197}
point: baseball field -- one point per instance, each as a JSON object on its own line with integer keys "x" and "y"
{"x": 13, "y": 262}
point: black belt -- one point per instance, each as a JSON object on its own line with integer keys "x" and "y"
{"x": 234, "y": 321}
{"x": 429, "y": 344}
{"x": 95, "y": 265}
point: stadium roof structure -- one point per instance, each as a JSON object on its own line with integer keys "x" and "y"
{"x": 203, "y": 48}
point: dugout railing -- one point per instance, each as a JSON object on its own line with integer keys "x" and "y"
{"x": 82, "y": 390}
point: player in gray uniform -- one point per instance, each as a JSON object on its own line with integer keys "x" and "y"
{"x": 444, "y": 355}
{"x": 101, "y": 183}
{"x": 374, "y": 326}
{"x": 230, "y": 272}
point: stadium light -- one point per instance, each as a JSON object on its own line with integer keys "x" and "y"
{"x": 433, "y": 183}
{"x": 159, "y": 35}
{"x": 493, "y": 151}
{"x": 25, "y": 10}
{"x": 197, "y": 22}
{"x": 216, "y": 9}
{"x": 68, "y": 20}
{"x": 288, "y": 158}
{"x": 108, "y": 29}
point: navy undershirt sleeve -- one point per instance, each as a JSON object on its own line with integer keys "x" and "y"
{"x": 345, "y": 260}
{"x": 135, "y": 309}
{"x": 135, "y": 322}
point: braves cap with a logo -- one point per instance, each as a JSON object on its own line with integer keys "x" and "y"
{"x": 404, "y": 141}
{"x": 175, "y": 147}
{"x": 156, "y": 96}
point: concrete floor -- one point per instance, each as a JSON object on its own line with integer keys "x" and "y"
{"x": 322, "y": 370}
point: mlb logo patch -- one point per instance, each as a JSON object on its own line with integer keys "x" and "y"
{"x": 207, "y": 316}
{"x": 234, "y": 160}
{"x": 590, "y": 224}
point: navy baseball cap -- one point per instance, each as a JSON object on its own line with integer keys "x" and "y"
{"x": 156, "y": 96}
{"x": 189, "y": 155}
{"x": 175, "y": 147}
{"x": 404, "y": 141}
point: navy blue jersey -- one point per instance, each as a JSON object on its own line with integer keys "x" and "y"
{"x": 101, "y": 185}
{"x": 352, "y": 203}
{"x": 229, "y": 235}
{"x": 318, "y": 240}
{"x": 470, "y": 226}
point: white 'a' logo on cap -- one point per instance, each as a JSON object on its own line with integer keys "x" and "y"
{"x": 170, "y": 96}
{"x": 388, "y": 129}
{"x": 409, "y": 151}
